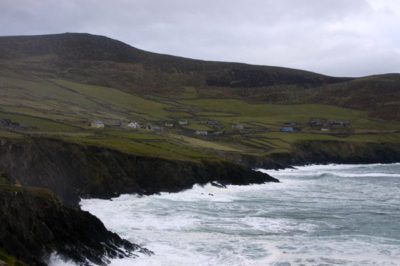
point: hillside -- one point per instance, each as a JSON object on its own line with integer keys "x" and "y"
{"x": 103, "y": 61}
{"x": 55, "y": 85}
{"x": 98, "y": 60}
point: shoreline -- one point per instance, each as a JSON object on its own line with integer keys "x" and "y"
{"x": 74, "y": 171}
{"x": 234, "y": 200}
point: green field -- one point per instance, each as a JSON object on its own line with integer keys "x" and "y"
{"x": 63, "y": 109}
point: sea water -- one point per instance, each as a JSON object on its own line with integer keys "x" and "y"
{"x": 317, "y": 215}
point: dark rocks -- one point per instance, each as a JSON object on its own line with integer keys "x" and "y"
{"x": 7, "y": 123}
{"x": 341, "y": 152}
{"x": 218, "y": 185}
{"x": 73, "y": 171}
{"x": 35, "y": 223}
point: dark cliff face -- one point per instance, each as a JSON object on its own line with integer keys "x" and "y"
{"x": 324, "y": 152}
{"x": 73, "y": 171}
{"x": 35, "y": 223}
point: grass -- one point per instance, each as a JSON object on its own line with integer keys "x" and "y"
{"x": 4, "y": 180}
{"x": 113, "y": 97}
{"x": 4, "y": 134}
{"x": 37, "y": 123}
{"x": 62, "y": 109}
{"x": 206, "y": 144}
{"x": 9, "y": 260}
{"x": 144, "y": 145}
{"x": 277, "y": 114}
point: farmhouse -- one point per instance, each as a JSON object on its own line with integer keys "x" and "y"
{"x": 97, "y": 124}
{"x": 212, "y": 123}
{"x": 338, "y": 123}
{"x": 238, "y": 126}
{"x": 153, "y": 127}
{"x": 317, "y": 122}
{"x": 218, "y": 133}
{"x": 169, "y": 124}
{"x": 134, "y": 125}
{"x": 183, "y": 122}
{"x": 288, "y": 129}
{"x": 201, "y": 132}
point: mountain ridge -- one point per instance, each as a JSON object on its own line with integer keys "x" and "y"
{"x": 83, "y": 46}
{"x": 99, "y": 60}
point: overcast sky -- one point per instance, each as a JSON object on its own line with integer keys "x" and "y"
{"x": 335, "y": 37}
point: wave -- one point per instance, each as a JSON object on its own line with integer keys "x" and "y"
{"x": 334, "y": 174}
{"x": 296, "y": 222}
{"x": 334, "y": 167}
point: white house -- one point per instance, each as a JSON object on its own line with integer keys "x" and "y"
{"x": 97, "y": 124}
{"x": 134, "y": 125}
{"x": 238, "y": 126}
{"x": 183, "y": 122}
{"x": 169, "y": 124}
{"x": 201, "y": 132}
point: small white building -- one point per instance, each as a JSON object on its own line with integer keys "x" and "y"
{"x": 97, "y": 124}
{"x": 183, "y": 122}
{"x": 201, "y": 132}
{"x": 238, "y": 126}
{"x": 169, "y": 124}
{"x": 134, "y": 125}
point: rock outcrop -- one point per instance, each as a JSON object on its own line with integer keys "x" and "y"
{"x": 35, "y": 223}
{"x": 74, "y": 171}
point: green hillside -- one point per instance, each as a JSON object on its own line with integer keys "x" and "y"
{"x": 56, "y": 85}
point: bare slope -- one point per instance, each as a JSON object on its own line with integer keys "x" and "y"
{"x": 99, "y": 60}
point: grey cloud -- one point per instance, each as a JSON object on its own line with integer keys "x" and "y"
{"x": 336, "y": 37}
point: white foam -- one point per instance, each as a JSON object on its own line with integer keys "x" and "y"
{"x": 296, "y": 222}
{"x": 56, "y": 260}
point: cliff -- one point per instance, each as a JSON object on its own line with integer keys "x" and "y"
{"x": 35, "y": 223}
{"x": 74, "y": 171}
{"x": 341, "y": 152}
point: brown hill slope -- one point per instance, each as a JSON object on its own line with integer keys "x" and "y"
{"x": 95, "y": 56}
{"x": 99, "y": 60}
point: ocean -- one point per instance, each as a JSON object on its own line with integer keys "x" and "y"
{"x": 318, "y": 215}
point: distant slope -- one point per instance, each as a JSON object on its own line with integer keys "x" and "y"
{"x": 99, "y": 60}
{"x": 379, "y": 94}
{"x": 60, "y": 50}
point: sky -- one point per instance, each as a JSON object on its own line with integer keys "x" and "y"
{"x": 333, "y": 37}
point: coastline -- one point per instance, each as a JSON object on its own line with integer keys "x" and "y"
{"x": 75, "y": 171}
{"x": 300, "y": 218}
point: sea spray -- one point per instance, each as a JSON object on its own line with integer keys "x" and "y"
{"x": 317, "y": 215}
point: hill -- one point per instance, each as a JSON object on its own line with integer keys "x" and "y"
{"x": 104, "y": 61}
{"x": 55, "y": 85}
{"x": 98, "y": 60}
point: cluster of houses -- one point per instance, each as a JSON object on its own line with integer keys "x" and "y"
{"x": 290, "y": 127}
{"x": 320, "y": 124}
{"x": 132, "y": 125}
{"x": 217, "y": 127}
{"x": 328, "y": 125}
{"x": 136, "y": 125}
